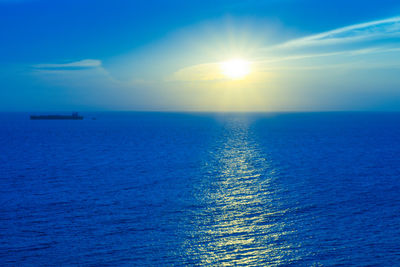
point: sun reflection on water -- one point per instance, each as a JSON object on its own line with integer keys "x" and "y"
{"x": 242, "y": 222}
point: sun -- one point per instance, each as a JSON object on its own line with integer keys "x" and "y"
{"x": 235, "y": 68}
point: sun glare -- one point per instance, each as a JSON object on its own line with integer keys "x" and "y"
{"x": 235, "y": 68}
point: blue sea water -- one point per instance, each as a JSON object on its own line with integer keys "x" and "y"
{"x": 176, "y": 189}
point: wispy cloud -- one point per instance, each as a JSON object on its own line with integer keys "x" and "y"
{"x": 352, "y": 52}
{"x": 385, "y": 28}
{"x": 77, "y": 65}
{"x": 375, "y": 39}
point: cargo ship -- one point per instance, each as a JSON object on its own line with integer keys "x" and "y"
{"x": 74, "y": 116}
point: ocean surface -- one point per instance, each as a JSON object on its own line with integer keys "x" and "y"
{"x": 190, "y": 189}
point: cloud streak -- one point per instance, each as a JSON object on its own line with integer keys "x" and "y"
{"x": 386, "y": 28}
{"x": 77, "y": 65}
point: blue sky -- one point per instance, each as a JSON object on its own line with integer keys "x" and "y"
{"x": 163, "y": 55}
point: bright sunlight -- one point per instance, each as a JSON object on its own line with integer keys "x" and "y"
{"x": 235, "y": 68}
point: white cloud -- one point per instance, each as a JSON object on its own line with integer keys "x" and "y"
{"x": 77, "y": 65}
{"x": 359, "y": 32}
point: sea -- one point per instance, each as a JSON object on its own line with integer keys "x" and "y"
{"x": 201, "y": 189}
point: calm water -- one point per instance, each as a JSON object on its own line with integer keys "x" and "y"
{"x": 316, "y": 189}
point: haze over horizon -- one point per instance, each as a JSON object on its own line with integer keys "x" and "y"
{"x": 291, "y": 55}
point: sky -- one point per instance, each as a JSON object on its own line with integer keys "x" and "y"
{"x": 166, "y": 55}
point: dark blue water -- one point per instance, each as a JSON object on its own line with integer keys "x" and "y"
{"x": 307, "y": 189}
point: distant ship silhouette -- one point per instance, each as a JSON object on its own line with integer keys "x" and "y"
{"x": 74, "y": 116}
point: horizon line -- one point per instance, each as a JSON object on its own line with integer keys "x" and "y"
{"x": 206, "y": 111}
